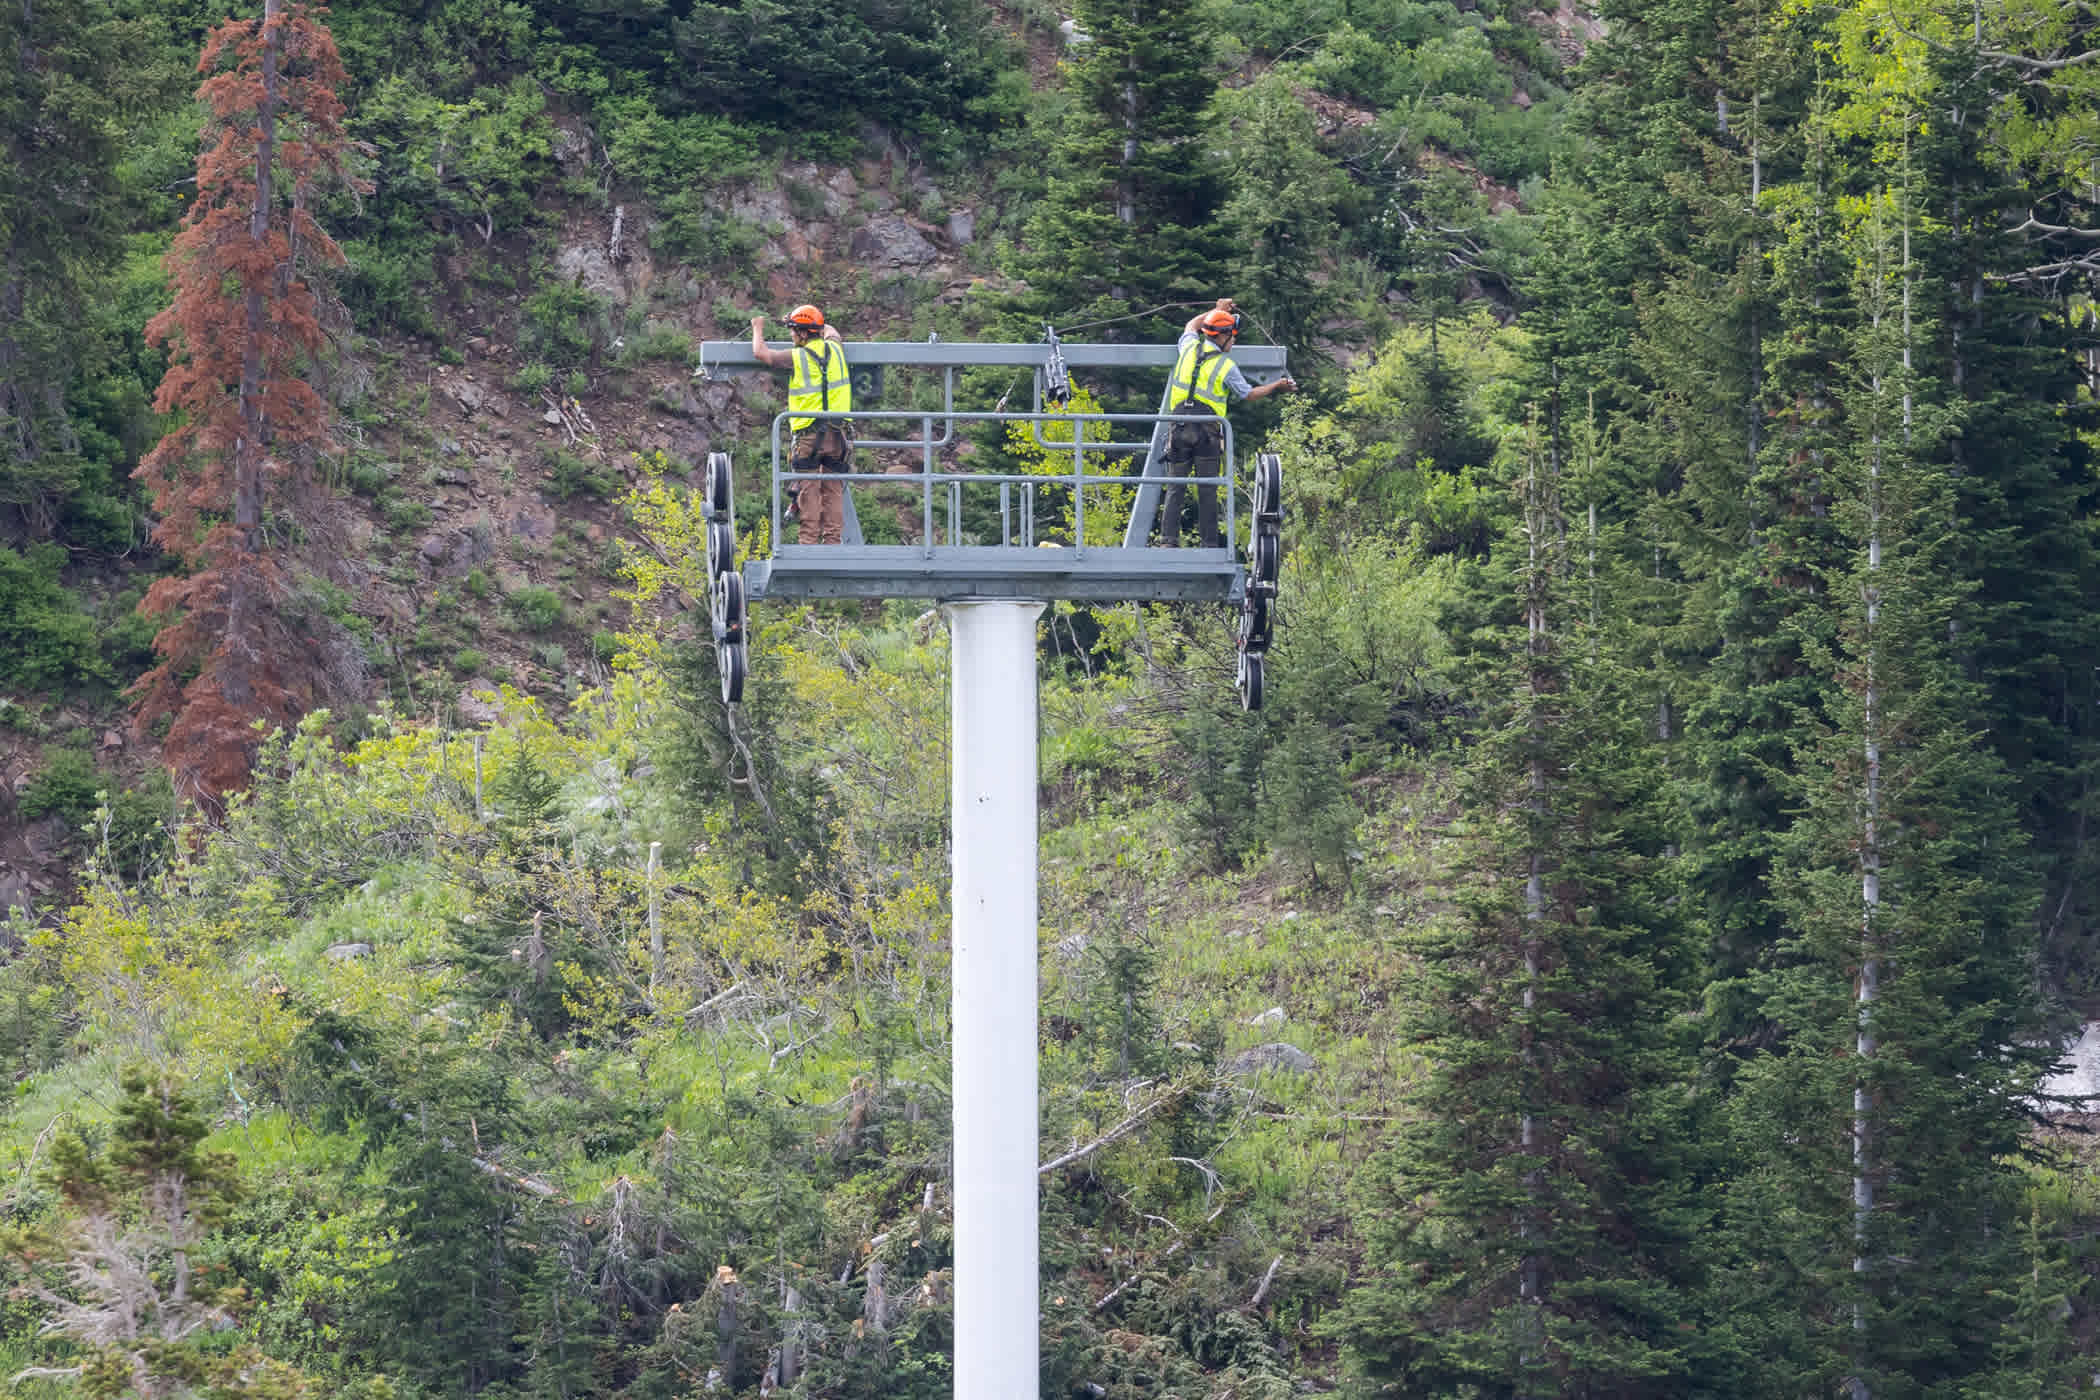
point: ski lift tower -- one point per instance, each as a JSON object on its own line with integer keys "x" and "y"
{"x": 992, "y": 570}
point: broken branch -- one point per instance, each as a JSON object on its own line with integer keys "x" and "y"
{"x": 1116, "y": 1134}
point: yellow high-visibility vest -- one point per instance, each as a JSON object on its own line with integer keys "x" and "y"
{"x": 820, "y": 383}
{"x": 1199, "y": 378}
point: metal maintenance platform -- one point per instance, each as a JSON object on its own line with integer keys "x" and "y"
{"x": 995, "y": 535}
{"x": 985, "y": 534}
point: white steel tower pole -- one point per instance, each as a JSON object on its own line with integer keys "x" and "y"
{"x": 993, "y": 811}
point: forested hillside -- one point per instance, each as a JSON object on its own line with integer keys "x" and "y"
{"x": 1624, "y": 958}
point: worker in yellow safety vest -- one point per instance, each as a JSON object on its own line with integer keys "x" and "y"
{"x": 1203, "y": 375}
{"x": 818, "y": 382}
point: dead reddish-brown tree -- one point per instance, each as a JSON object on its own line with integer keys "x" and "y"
{"x": 242, "y": 334}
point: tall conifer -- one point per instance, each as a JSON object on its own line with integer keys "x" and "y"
{"x": 1877, "y": 1197}
{"x": 1532, "y": 1227}
{"x": 243, "y": 329}
{"x": 69, "y": 70}
{"x": 1134, "y": 178}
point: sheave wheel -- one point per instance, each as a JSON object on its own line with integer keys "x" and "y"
{"x": 720, "y": 492}
{"x": 729, "y": 607}
{"x": 721, "y": 547}
{"x": 1268, "y": 487}
{"x": 1254, "y": 621}
{"x": 734, "y": 662}
{"x": 1250, "y": 681}
{"x": 1268, "y": 557}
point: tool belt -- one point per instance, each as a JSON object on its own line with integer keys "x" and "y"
{"x": 829, "y": 449}
{"x": 1197, "y": 439}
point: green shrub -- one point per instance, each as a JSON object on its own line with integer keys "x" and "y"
{"x": 657, "y": 341}
{"x": 690, "y": 229}
{"x": 405, "y": 514}
{"x": 806, "y": 200}
{"x": 538, "y": 608}
{"x": 532, "y": 378}
{"x": 564, "y": 323}
{"x": 577, "y": 384}
{"x": 468, "y": 662}
{"x": 477, "y": 164}
{"x": 367, "y": 476}
{"x": 65, "y": 788}
{"x": 126, "y": 635}
{"x": 570, "y": 476}
{"x": 553, "y": 655}
{"x": 46, "y": 640}
{"x": 137, "y": 841}
{"x": 478, "y": 583}
{"x": 666, "y": 154}
{"x": 387, "y": 285}
{"x": 605, "y": 645}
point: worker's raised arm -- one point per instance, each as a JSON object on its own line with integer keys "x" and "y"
{"x": 764, "y": 353}
{"x": 1195, "y": 322}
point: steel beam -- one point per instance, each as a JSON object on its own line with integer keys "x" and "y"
{"x": 736, "y": 355}
{"x": 1098, "y": 575}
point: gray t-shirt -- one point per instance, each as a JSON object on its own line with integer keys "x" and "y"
{"x": 1234, "y": 380}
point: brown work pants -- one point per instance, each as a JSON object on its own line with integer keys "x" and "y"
{"x": 1193, "y": 449}
{"x": 821, "y": 504}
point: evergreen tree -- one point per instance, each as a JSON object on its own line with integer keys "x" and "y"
{"x": 1532, "y": 1229}
{"x": 134, "y": 1287}
{"x": 243, "y": 328}
{"x": 1135, "y": 180}
{"x": 1757, "y": 547}
{"x": 1878, "y": 1205}
{"x": 71, "y": 71}
{"x": 1282, "y": 210}
{"x": 432, "y": 1117}
{"x": 2022, "y": 468}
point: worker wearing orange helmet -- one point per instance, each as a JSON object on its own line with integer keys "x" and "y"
{"x": 818, "y": 382}
{"x": 1203, "y": 375}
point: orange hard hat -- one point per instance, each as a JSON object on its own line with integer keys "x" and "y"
{"x": 1216, "y": 323}
{"x": 807, "y": 317}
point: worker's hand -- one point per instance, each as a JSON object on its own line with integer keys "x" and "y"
{"x": 1226, "y": 304}
{"x": 1287, "y": 382}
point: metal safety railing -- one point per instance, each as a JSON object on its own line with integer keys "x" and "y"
{"x": 1016, "y": 507}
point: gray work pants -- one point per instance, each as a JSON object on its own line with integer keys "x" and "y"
{"x": 1193, "y": 449}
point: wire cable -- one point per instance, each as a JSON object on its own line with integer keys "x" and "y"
{"x": 1133, "y": 316}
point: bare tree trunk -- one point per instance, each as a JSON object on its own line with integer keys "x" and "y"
{"x": 1539, "y": 522}
{"x": 790, "y": 1343}
{"x": 249, "y": 452}
{"x": 1871, "y": 936}
{"x": 14, "y": 402}
{"x": 656, "y": 924}
{"x": 1757, "y": 188}
{"x": 243, "y": 581}
{"x": 726, "y": 1322}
